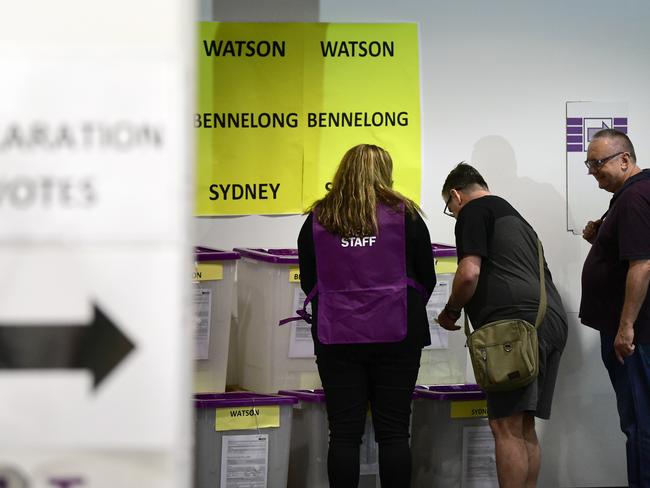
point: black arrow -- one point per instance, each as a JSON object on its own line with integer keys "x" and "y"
{"x": 98, "y": 346}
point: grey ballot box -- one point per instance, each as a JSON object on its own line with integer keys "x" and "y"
{"x": 242, "y": 437}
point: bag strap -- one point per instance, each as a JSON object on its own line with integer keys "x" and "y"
{"x": 541, "y": 309}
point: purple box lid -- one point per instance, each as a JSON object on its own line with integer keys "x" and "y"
{"x": 311, "y": 396}
{"x": 240, "y": 399}
{"x": 276, "y": 256}
{"x": 202, "y": 254}
{"x": 450, "y": 392}
{"x": 443, "y": 250}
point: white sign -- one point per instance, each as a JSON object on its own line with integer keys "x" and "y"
{"x": 87, "y": 152}
{"x": 78, "y": 469}
{"x": 94, "y": 296}
{"x": 120, "y": 397}
{"x": 95, "y": 198}
{"x": 585, "y": 201}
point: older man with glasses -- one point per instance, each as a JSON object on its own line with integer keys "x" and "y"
{"x": 615, "y": 299}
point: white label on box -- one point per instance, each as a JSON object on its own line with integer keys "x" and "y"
{"x": 301, "y": 344}
{"x": 202, "y": 317}
{"x": 244, "y": 461}
{"x": 438, "y": 300}
{"x": 479, "y": 458}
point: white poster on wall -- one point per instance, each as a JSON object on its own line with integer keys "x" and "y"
{"x": 585, "y": 201}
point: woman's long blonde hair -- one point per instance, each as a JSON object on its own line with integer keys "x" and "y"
{"x": 363, "y": 179}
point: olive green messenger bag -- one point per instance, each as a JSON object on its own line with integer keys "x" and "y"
{"x": 504, "y": 353}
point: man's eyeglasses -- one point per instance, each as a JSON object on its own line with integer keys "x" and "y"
{"x": 594, "y": 164}
{"x": 446, "y": 210}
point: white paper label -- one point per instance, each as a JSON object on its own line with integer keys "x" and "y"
{"x": 244, "y": 461}
{"x": 202, "y": 318}
{"x": 438, "y": 300}
{"x": 301, "y": 344}
{"x": 479, "y": 458}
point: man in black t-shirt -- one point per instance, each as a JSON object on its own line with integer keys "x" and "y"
{"x": 498, "y": 278}
{"x": 615, "y": 299}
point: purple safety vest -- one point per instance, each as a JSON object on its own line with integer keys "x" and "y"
{"x": 362, "y": 283}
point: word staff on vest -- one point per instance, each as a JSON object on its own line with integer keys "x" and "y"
{"x": 358, "y": 241}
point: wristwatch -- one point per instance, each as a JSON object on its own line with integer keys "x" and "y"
{"x": 451, "y": 313}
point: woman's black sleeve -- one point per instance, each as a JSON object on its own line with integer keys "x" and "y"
{"x": 423, "y": 267}
{"x": 307, "y": 256}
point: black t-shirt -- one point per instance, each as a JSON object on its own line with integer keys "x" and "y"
{"x": 623, "y": 236}
{"x": 419, "y": 266}
{"x": 508, "y": 285}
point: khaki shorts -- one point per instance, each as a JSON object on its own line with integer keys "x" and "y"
{"x": 536, "y": 397}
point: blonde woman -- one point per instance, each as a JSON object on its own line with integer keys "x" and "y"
{"x": 366, "y": 265}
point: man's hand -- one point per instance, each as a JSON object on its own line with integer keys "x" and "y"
{"x": 447, "y": 322}
{"x": 624, "y": 343}
{"x": 591, "y": 230}
{"x": 636, "y": 291}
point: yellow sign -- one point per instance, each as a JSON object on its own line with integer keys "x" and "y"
{"x": 363, "y": 87}
{"x": 279, "y": 104}
{"x": 294, "y": 275}
{"x": 446, "y": 265}
{"x": 208, "y": 272}
{"x": 249, "y": 139}
{"x": 246, "y": 418}
{"x": 468, "y": 409}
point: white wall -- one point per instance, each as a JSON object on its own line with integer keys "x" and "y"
{"x": 495, "y": 78}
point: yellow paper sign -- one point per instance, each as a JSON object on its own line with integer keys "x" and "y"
{"x": 249, "y": 140}
{"x": 207, "y": 272}
{"x": 468, "y": 409}
{"x": 246, "y": 418}
{"x": 294, "y": 275}
{"x": 446, "y": 265}
{"x": 363, "y": 88}
{"x": 279, "y": 104}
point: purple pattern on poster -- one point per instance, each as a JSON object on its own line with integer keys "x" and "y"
{"x": 580, "y": 131}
